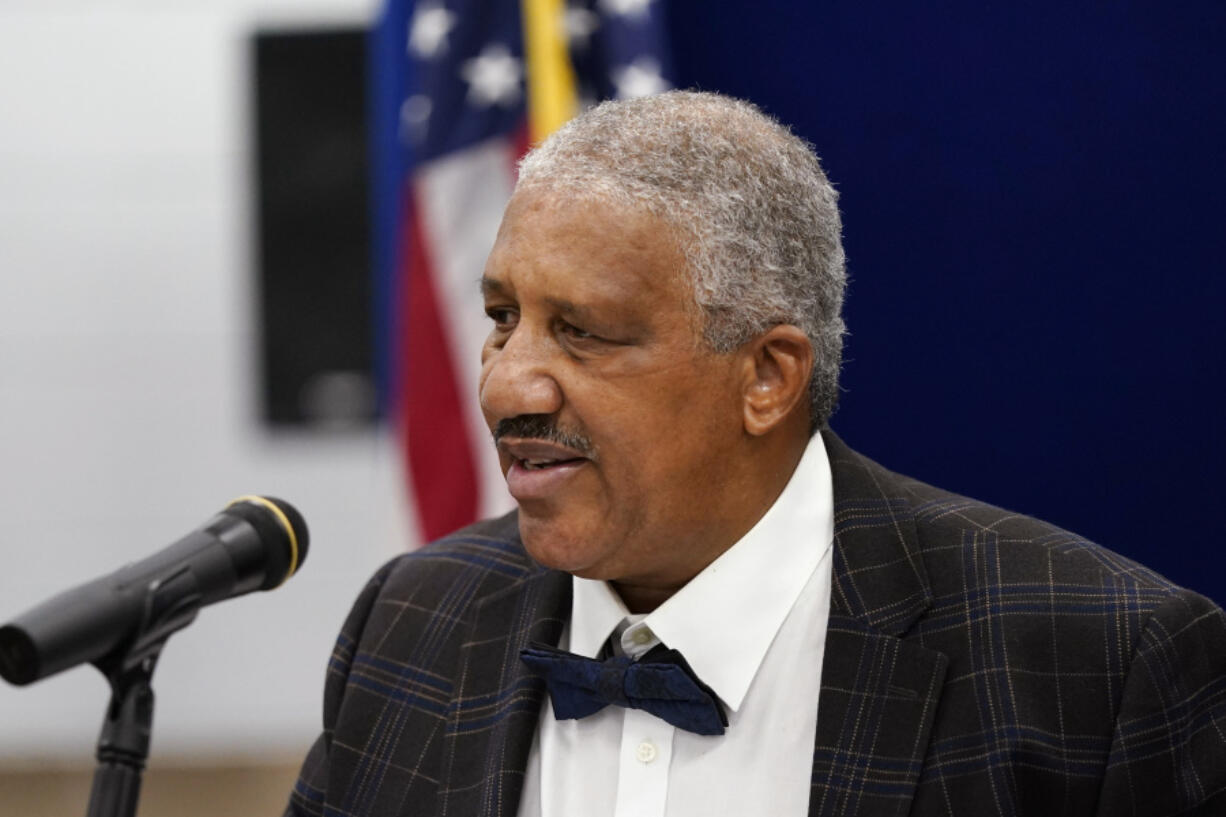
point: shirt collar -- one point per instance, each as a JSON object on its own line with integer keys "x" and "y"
{"x": 595, "y": 611}
{"x": 725, "y": 618}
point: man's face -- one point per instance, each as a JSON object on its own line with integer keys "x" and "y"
{"x": 617, "y": 423}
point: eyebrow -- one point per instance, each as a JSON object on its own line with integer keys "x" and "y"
{"x": 489, "y": 286}
{"x": 571, "y": 309}
{"x": 494, "y": 287}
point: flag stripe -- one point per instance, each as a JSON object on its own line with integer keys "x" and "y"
{"x": 467, "y": 192}
{"x": 440, "y": 463}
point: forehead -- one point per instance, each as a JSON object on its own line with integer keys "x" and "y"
{"x": 557, "y": 240}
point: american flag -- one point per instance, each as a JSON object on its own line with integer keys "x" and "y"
{"x": 461, "y": 88}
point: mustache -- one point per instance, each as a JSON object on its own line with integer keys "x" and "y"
{"x": 542, "y": 427}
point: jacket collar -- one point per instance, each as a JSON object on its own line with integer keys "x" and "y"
{"x": 879, "y": 691}
{"x": 879, "y": 574}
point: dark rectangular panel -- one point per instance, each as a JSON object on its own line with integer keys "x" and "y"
{"x": 314, "y": 225}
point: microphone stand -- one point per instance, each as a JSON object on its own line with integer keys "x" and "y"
{"x": 123, "y": 743}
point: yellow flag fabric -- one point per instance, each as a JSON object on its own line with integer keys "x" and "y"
{"x": 551, "y": 77}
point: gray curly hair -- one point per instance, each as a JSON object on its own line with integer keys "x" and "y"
{"x": 748, "y": 203}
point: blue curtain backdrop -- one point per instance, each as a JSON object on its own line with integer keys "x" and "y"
{"x": 1033, "y": 196}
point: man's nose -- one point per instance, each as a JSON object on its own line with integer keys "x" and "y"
{"x": 520, "y": 377}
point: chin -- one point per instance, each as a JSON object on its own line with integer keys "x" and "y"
{"x": 552, "y": 545}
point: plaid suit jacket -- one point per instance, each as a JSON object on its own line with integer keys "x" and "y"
{"x": 977, "y": 663}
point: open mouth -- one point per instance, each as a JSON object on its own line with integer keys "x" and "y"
{"x": 535, "y": 478}
{"x": 538, "y": 465}
{"x": 539, "y": 468}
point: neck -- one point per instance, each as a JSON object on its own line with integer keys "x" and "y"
{"x": 640, "y": 598}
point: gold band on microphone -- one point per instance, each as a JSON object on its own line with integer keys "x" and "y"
{"x": 285, "y": 523}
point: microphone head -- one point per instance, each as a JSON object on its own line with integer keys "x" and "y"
{"x": 18, "y": 656}
{"x": 298, "y": 526}
{"x": 276, "y": 521}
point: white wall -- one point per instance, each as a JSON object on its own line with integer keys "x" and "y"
{"x": 127, "y": 405}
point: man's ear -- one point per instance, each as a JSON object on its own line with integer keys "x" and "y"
{"x": 778, "y": 365}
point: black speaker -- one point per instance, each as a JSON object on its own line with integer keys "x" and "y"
{"x": 314, "y": 279}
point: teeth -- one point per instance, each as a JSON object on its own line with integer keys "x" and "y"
{"x": 536, "y": 464}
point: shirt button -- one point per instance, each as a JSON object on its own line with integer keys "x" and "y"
{"x": 646, "y": 752}
{"x": 642, "y": 636}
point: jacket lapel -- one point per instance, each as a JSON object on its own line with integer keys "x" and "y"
{"x": 879, "y": 692}
{"x": 493, "y": 717}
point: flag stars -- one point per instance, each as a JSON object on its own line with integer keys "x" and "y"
{"x": 639, "y": 78}
{"x": 415, "y": 118}
{"x": 578, "y": 25}
{"x": 625, "y": 8}
{"x": 429, "y": 29}
{"x": 493, "y": 77}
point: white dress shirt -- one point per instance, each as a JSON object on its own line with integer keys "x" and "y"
{"x": 752, "y": 625}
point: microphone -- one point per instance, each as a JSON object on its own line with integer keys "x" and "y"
{"x": 256, "y": 543}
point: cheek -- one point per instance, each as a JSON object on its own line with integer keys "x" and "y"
{"x": 681, "y": 441}
{"x": 650, "y": 452}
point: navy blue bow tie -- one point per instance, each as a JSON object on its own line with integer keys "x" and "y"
{"x": 661, "y": 683}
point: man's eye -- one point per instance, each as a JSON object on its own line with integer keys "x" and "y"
{"x": 502, "y": 316}
{"x": 575, "y": 333}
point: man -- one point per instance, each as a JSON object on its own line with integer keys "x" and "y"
{"x": 782, "y": 626}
